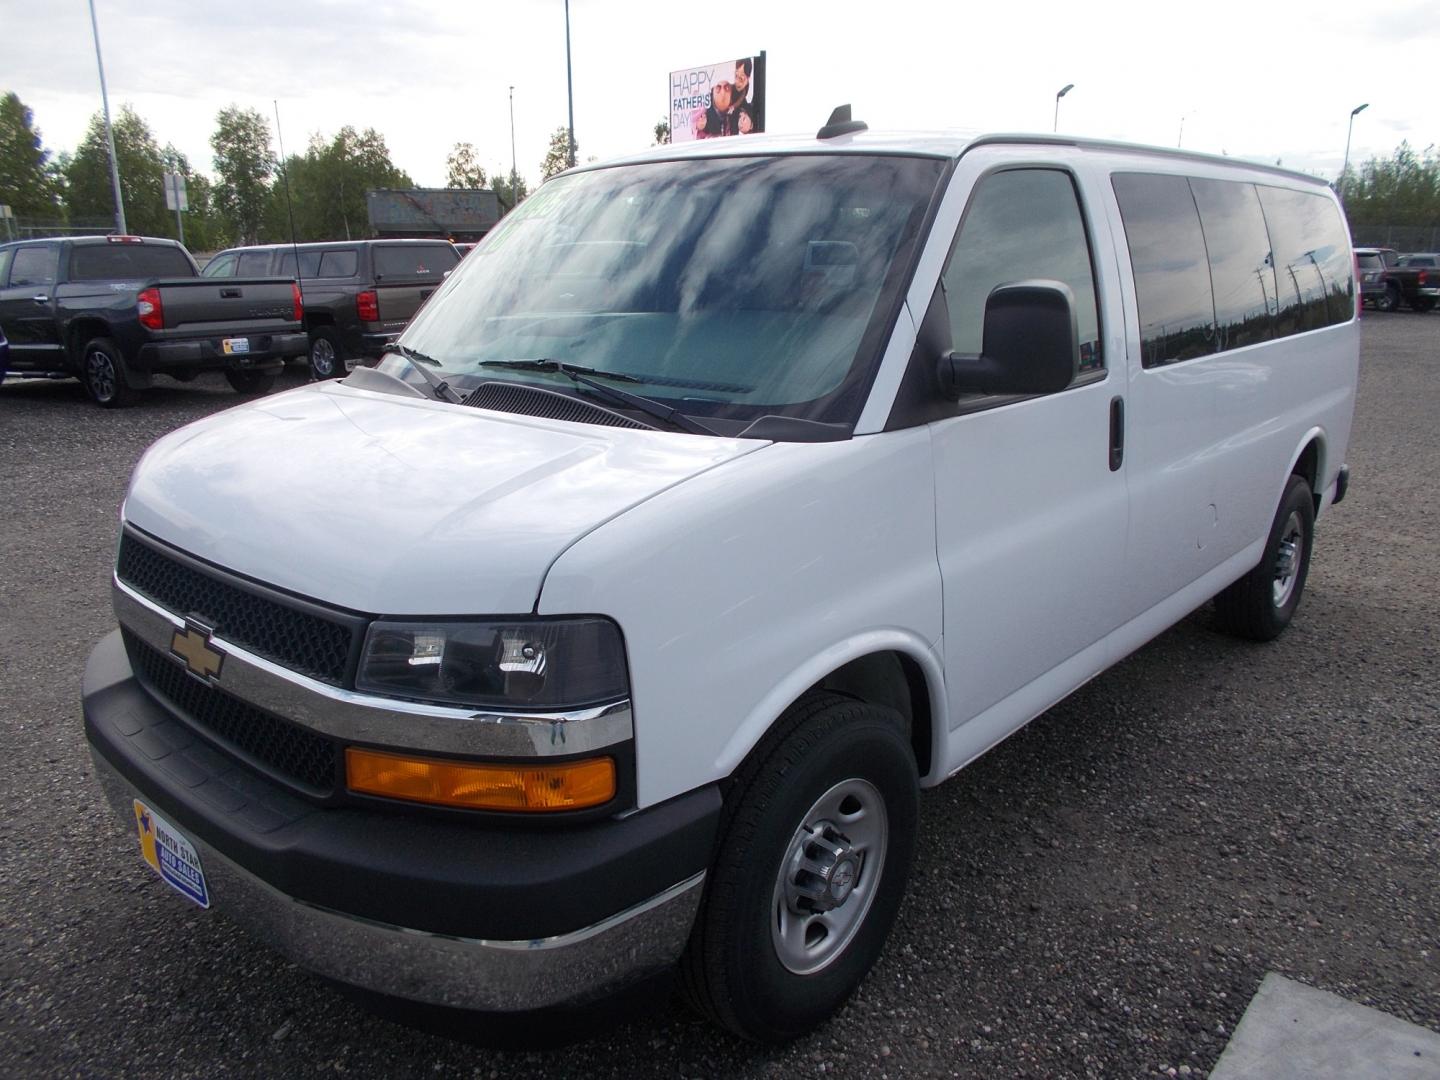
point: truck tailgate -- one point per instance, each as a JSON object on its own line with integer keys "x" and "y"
{"x": 199, "y": 304}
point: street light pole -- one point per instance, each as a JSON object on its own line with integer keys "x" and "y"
{"x": 513, "y": 168}
{"x": 1353, "y": 113}
{"x": 569, "y": 85}
{"x": 1062, "y": 92}
{"x": 109, "y": 133}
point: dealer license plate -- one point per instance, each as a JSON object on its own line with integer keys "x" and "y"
{"x": 170, "y": 855}
{"x": 234, "y": 345}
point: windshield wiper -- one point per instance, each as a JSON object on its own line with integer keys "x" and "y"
{"x": 546, "y": 364}
{"x": 615, "y": 395}
{"x": 443, "y": 390}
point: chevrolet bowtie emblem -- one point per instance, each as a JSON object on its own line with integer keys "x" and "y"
{"x": 192, "y": 644}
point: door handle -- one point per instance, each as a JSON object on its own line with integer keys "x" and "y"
{"x": 1117, "y": 433}
{"x": 41, "y": 299}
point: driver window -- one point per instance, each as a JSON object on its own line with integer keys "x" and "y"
{"x": 1021, "y": 224}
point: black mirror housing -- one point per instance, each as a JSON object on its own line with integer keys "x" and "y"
{"x": 1030, "y": 344}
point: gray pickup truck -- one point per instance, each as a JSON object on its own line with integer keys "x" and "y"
{"x": 115, "y": 311}
{"x": 359, "y": 294}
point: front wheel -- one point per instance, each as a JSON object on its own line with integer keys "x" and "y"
{"x": 815, "y": 849}
{"x": 102, "y": 370}
{"x": 1389, "y": 300}
{"x": 1261, "y": 604}
{"x": 251, "y": 383}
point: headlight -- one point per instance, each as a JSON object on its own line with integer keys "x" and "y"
{"x": 527, "y": 664}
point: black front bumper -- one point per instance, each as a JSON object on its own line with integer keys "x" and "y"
{"x": 442, "y": 874}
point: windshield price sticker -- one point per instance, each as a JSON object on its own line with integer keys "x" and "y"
{"x": 170, "y": 855}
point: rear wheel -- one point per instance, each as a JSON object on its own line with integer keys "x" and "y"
{"x": 251, "y": 382}
{"x": 815, "y": 848}
{"x": 1423, "y": 303}
{"x": 327, "y": 354}
{"x": 1261, "y": 604}
{"x": 102, "y": 370}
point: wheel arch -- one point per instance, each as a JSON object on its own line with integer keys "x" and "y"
{"x": 79, "y": 333}
{"x": 889, "y": 667}
{"x": 1309, "y": 463}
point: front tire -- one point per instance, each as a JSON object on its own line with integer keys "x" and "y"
{"x": 102, "y": 370}
{"x": 1389, "y": 300}
{"x": 814, "y": 852}
{"x": 1261, "y": 604}
{"x": 251, "y": 383}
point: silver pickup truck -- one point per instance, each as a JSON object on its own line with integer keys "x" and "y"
{"x": 115, "y": 311}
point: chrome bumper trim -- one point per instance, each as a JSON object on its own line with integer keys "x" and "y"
{"x": 466, "y": 973}
{"x": 345, "y": 714}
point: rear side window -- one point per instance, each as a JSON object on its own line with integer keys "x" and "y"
{"x": 1312, "y": 260}
{"x": 1172, "y": 273}
{"x": 6, "y": 254}
{"x": 119, "y": 262}
{"x": 35, "y": 265}
{"x": 1369, "y": 262}
{"x": 253, "y": 264}
{"x": 1021, "y": 224}
{"x": 1241, "y": 276}
{"x": 309, "y": 264}
{"x": 427, "y": 262}
{"x": 338, "y": 264}
{"x": 1428, "y": 261}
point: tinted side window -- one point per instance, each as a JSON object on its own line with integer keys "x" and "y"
{"x": 337, "y": 264}
{"x": 309, "y": 264}
{"x": 35, "y": 265}
{"x": 220, "y": 266}
{"x": 426, "y": 261}
{"x": 1172, "y": 275}
{"x": 1020, "y": 224}
{"x": 1312, "y": 260}
{"x": 254, "y": 264}
{"x": 1241, "y": 276}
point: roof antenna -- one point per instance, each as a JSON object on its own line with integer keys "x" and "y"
{"x": 841, "y": 124}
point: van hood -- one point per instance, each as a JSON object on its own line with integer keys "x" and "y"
{"x": 394, "y": 506}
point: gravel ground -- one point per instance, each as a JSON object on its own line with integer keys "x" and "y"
{"x": 1099, "y": 896}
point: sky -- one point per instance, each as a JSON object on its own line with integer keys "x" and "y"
{"x": 1256, "y": 79}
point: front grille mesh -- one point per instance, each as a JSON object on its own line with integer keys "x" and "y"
{"x": 300, "y": 640}
{"x": 293, "y": 752}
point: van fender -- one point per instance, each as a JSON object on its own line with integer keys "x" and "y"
{"x": 759, "y": 721}
{"x": 1322, "y": 484}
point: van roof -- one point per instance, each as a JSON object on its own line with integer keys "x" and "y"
{"x": 943, "y": 144}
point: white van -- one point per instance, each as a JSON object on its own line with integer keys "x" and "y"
{"x": 722, "y": 499}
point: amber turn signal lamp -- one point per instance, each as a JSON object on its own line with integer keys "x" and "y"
{"x": 573, "y": 785}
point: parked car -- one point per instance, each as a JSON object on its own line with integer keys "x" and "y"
{"x": 115, "y": 311}
{"x": 359, "y": 294}
{"x": 1413, "y": 280}
{"x": 614, "y": 620}
{"x": 1371, "y": 264}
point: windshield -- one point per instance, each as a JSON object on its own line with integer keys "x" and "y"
{"x": 731, "y": 288}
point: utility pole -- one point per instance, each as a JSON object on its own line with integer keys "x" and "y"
{"x": 109, "y": 132}
{"x": 569, "y": 84}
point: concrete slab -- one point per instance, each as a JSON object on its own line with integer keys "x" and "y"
{"x": 1291, "y": 1031}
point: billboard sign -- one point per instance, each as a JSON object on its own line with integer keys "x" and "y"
{"x": 715, "y": 100}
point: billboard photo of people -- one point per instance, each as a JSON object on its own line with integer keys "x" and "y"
{"x": 718, "y": 99}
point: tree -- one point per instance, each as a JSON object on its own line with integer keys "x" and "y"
{"x": 662, "y": 132}
{"x": 1403, "y": 189}
{"x": 328, "y": 186}
{"x": 26, "y": 184}
{"x": 244, "y": 164}
{"x": 89, "y": 198}
{"x": 558, "y": 157}
{"x": 510, "y": 191}
{"x": 463, "y": 169}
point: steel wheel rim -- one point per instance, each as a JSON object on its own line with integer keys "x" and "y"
{"x": 100, "y": 371}
{"x": 1287, "y": 559}
{"x": 322, "y": 357}
{"x": 849, "y": 818}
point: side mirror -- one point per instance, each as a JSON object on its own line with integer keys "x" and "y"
{"x": 1030, "y": 344}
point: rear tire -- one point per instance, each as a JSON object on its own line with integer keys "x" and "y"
{"x": 102, "y": 370}
{"x": 1423, "y": 304}
{"x": 1261, "y": 604}
{"x": 327, "y": 354}
{"x": 815, "y": 847}
{"x": 251, "y": 383}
